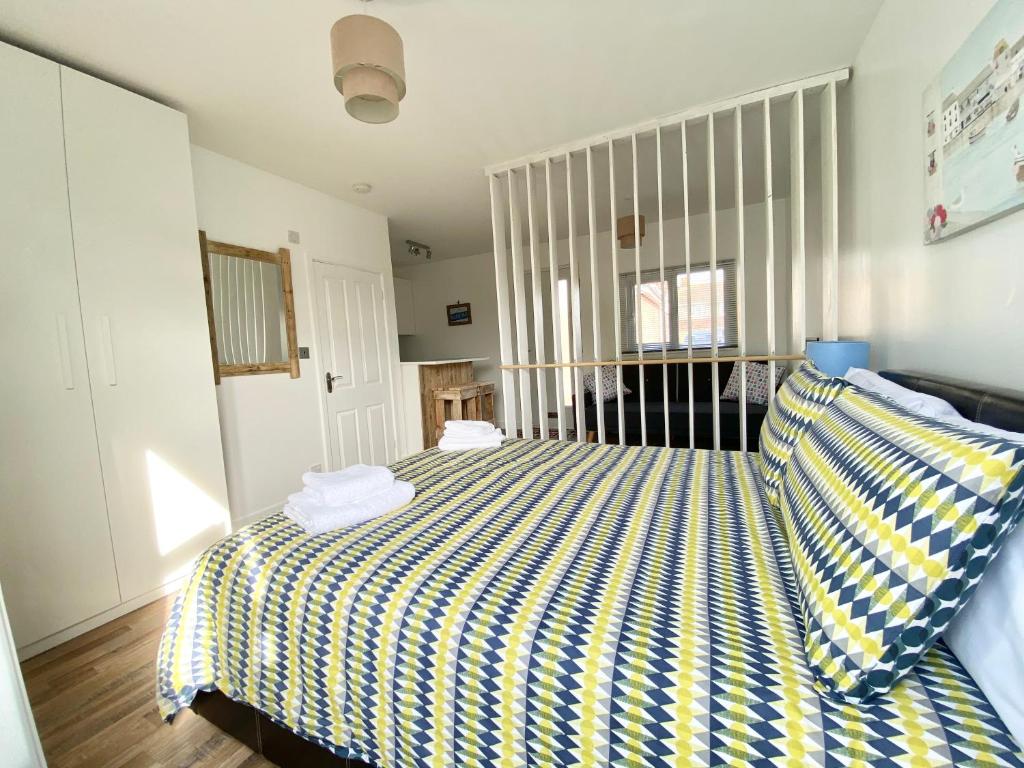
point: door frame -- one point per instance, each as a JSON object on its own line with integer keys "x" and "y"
{"x": 320, "y": 356}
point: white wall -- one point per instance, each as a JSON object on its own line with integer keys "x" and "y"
{"x": 438, "y": 283}
{"x": 272, "y": 425}
{"x": 953, "y": 308}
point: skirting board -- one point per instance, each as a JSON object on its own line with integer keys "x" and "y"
{"x": 52, "y": 641}
{"x": 259, "y": 514}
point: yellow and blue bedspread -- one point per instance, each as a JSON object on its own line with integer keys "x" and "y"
{"x": 550, "y": 603}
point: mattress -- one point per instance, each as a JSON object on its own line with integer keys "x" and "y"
{"x": 556, "y": 604}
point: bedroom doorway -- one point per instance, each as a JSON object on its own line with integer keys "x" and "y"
{"x": 355, "y": 365}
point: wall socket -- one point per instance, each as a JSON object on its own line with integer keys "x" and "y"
{"x": 316, "y": 467}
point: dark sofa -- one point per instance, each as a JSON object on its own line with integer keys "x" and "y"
{"x": 678, "y": 405}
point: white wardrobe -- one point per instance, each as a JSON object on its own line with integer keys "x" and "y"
{"x": 112, "y": 473}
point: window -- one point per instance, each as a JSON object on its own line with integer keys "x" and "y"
{"x": 663, "y": 311}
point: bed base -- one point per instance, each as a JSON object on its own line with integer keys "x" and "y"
{"x": 265, "y": 737}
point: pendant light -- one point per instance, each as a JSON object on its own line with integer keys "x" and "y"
{"x": 624, "y": 231}
{"x": 369, "y": 67}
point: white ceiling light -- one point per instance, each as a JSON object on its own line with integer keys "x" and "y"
{"x": 369, "y": 67}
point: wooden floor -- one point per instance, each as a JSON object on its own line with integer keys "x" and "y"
{"x": 94, "y": 699}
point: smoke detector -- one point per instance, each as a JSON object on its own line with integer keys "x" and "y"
{"x": 362, "y": 188}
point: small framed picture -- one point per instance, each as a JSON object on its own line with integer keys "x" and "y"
{"x": 459, "y": 314}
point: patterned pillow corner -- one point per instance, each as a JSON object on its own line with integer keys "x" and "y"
{"x": 757, "y": 383}
{"x": 608, "y": 383}
{"x": 892, "y": 518}
{"x": 800, "y": 401}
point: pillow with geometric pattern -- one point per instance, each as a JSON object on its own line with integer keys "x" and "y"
{"x": 799, "y": 402}
{"x": 757, "y": 383}
{"x": 891, "y": 519}
{"x": 609, "y": 380}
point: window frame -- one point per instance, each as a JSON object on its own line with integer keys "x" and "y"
{"x": 628, "y": 316}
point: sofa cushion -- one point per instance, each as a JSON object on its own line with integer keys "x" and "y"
{"x": 679, "y": 422}
{"x": 608, "y": 383}
{"x": 758, "y": 388}
{"x": 678, "y": 381}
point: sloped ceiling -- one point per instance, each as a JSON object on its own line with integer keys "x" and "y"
{"x": 489, "y": 80}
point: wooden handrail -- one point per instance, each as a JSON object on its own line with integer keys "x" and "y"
{"x": 658, "y": 361}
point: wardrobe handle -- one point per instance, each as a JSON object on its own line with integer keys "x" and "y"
{"x": 108, "y": 351}
{"x": 65, "y": 352}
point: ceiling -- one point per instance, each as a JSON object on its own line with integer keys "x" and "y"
{"x": 489, "y": 80}
{"x": 673, "y": 191}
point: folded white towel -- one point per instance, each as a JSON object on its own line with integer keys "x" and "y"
{"x": 320, "y": 519}
{"x": 307, "y": 497}
{"x": 451, "y": 443}
{"x": 348, "y": 485}
{"x": 463, "y": 428}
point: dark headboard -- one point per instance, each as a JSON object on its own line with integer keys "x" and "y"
{"x": 1003, "y": 408}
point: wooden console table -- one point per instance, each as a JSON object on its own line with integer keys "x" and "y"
{"x": 419, "y": 380}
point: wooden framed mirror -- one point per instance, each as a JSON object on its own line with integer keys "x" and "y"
{"x": 251, "y": 309}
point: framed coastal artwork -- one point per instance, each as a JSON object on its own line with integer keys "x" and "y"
{"x": 459, "y": 314}
{"x": 973, "y": 130}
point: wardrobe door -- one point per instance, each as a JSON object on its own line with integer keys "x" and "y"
{"x": 144, "y": 310}
{"x": 56, "y": 563}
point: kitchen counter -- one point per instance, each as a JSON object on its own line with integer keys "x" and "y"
{"x": 446, "y": 362}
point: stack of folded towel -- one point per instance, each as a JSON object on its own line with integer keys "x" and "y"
{"x": 469, "y": 435}
{"x": 332, "y": 500}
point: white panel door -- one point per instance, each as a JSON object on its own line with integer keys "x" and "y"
{"x": 144, "y": 311}
{"x": 355, "y": 354}
{"x": 56, "y": 562}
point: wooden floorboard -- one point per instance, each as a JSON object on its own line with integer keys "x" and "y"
{"x": 94, "y": 700}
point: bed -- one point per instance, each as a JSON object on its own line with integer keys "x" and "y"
{"x": 549, "y": 603}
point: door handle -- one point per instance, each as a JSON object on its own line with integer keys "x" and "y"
{"x": 330, "y": 381}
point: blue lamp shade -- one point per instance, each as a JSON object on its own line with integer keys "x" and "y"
{"x": 836, "y": 357}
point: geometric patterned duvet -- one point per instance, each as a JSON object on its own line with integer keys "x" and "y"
{"x": 550, "y": 604}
